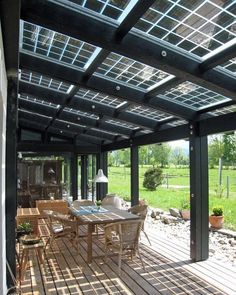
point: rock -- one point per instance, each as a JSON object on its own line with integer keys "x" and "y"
{"x": 174, "y": 212}
{"x": 153, "y": 214}
{"x": 167, "y": 219}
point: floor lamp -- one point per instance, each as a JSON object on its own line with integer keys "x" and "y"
{"x": 99, "y": 179}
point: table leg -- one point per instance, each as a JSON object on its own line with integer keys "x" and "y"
{"x": 89, "y": 244}
{"x": 40, "y": 254}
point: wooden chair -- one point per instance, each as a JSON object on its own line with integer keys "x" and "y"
{"x": 61, "y": 225}
{"x": 122, "y": 238}
{"x": 141, "y": 211}
{"x": 112, "y": 200}
{"x": 78, "y": 203}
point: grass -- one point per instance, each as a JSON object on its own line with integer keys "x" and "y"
{"x": 178, "y": 190}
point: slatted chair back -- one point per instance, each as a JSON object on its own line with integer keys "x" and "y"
{"x": 78, "y": 203}
{"x": 61, "y": 225}
{"x": 123, "y": 238}
{"x": 141, "y": 211}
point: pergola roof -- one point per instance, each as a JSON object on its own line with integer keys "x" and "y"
{"x": 110, "y": 72}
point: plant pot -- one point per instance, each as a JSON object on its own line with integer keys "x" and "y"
{"x": 185, "y": 213}
{"x": 216, "y": 221}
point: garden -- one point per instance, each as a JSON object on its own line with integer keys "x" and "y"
{"x": 174, "y": 190}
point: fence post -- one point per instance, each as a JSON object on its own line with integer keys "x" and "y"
{"x": 167, "y": 180}
{"x": 227, "y": 184}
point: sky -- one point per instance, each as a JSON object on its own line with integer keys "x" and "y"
{"x": 179, "y": 143}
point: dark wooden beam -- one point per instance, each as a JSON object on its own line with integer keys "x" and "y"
{"x": 219, "y": 58}
{"x": 218, "y": 124}
{"x": 156, "y": 54}
{"x": 74, "y": 175}
{"x": 84, "y": 177}
{"x": 175, "y": 133}
{"x": 87, "y": 106}
{"x": 55, "y": 147}
{"x": 199, "y": 226}
{"x": 160, "y": 89}
{"x": 132, "y": 17}
{"x": 134, "y": 181}
{"x": 97, "y": 83}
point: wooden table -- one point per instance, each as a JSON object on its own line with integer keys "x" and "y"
{"x": 38, "y": 248}
{"x": 94, "y": 218}
{"x": 28, "y": 215}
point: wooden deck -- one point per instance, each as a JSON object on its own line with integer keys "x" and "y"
{"x": 168, "y": 271}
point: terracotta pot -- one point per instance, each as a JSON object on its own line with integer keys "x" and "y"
{"x": 185, "y": 214}
{"x": 216, "y": 221}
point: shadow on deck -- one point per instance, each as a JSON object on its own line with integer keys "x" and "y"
{"x": 168, "y": 271}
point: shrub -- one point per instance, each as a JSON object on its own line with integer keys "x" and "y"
{"x": 185, "y": 205}
{"x": 217, "y": 211}
{"x": 152, "y": 178}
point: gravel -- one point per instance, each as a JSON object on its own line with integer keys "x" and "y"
{"x": 221, "y": 247}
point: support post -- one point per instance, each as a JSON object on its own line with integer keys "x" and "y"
{"x": 134, "y": 159}
{"x": 101, "y": 188}
{"x": 84, "y": 177}
{"x": 74, "y": 176}
{"x": 199, "y": 228}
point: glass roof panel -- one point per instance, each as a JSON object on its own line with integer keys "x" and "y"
{"x": 104, "y": 131}
{"x": 229, "y": 66}
{"x": 198, "y": 27}
{"x": 122, "y": 124}
{"x": 194, "y": 96}
{"x": 109, "y": 8}
{"x": 44, "y": 81}
{"x": 223, "y": 111}
{"x": 177, "y": 123}
{"x": 83, "y": 114}
{"x": 38, "y": 101}
{"x": 59, "y": 47}
{"x": 129, "y": 71}
{"x": 98, "y": 97}
{"x": 148, "y": 112}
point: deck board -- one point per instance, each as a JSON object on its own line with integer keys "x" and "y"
{"x": 168, "y": 270}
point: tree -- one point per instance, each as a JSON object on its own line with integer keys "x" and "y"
{"x": 215, "y": 150}
{"x": 152, "y": 178}
{"x": 159, "y": 153}
{"x": 178, "y": 157}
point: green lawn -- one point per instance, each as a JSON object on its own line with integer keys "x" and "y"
{"x": 178, "y": 189}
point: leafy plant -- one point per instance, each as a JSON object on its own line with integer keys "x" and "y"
{"x": 25, "y": 227}
{"x": 185, "y": 205}
{"x": 217, "y": 211}
{"x": 152, "y": 178}
{"x": 98, "y": 203}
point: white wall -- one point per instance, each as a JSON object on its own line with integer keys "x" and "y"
{"x": 3, "y": 100}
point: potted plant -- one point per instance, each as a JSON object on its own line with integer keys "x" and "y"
{"x": 24, "y": 228}
{"x": 185, "y": 209}
{"x": 98, "y": 204}
{"x": 216, "y": 219}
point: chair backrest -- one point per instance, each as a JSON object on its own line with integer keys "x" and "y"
{"x": 140, "y": 210}
{"x": 78, "y": 203}
{"x": 112, "y": 200}
{"x": 58, "y": 218}
{"x": 128, "y": 232}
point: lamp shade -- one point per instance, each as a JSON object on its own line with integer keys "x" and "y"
{"x": 100, "y": 177}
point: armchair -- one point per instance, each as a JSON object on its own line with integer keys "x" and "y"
{"x": 122, "y": 238}
{"x": 61, "y": 225}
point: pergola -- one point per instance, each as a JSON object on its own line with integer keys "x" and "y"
{"x": 88, "y": 77}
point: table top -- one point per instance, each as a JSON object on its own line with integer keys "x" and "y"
{"x": 106, "y": 214}
{"x": 27, "y": 212}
